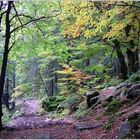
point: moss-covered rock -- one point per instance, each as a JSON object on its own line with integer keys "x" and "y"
{"x": 133, "y": 91}
{"x": 136, "y": 134}
{"x": 131, "y": 128}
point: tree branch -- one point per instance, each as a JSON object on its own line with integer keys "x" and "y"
{"x": 11, "y": 46}
{"x": 138, "y": 30}
{"x": 127, "y": 5}
{"x": 17, "y": 14}
{"x": 27, "y": 16}
{"x": 32, "y": 20}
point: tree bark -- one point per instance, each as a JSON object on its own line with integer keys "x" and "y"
{"x": 52, "y": 87}
{"x": 122, "y": 67}
{"x": 133, "y": 61}
{"x": 14, "y": 76}
{"x": 6, "y": 94}
{"x": 5, "y": 57}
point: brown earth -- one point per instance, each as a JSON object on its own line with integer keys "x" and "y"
{"x": 33, "y": 126}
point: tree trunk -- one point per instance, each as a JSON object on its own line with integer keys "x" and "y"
{"x": 133, "y": 61}
{"x": 14, "y": 76}
{"x": 50, "y": 88}
{"x": 122, "y": 67}
{"x": 87, "y": 62}
{"x": 5, "y": 57}
{"x": 6, "y": 94}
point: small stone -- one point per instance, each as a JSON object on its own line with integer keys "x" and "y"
{"x": 133, "y": 91}
{"x": 43, "y": 136}
{"x": 125, "y": 130}
{"x": 137, "y": 135}
{"x": 134, "y": 116}
{"x": 81, "y": 127}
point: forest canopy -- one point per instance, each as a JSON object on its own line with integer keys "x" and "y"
{"x": 66, "y": 48}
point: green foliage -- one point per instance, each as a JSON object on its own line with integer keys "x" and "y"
{"x": 9, "y": 115}
{"x": 113, "y": 106}
{"x": 134, "y": 78}
{"x": 42, "y": 111}
{"x": 80, "y": 40}
{"x": 113, "y": 82}
{"x": 51, "y": 103}
{"x": 74, "y": 80}
{"x": 82, "y": 111}
{"x": 70, "y": 101}
{"x": 22, "y": 90}
{"x": 110, "y": 123}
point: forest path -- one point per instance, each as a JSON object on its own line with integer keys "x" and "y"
{"x": 33, "y": 126}
{"x": 30, "y": 118}
{"x": 30, "y": 124}
{"x": 31, "y": 106}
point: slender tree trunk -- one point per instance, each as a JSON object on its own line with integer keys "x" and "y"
{"x": 137, "y": 65}
{"x": 5, "y": 57}
{"x": 14, "y": 76}
{"x": 50, "y": 88}
{"x": 42, "y": 79}
{"x": 122, "y": 74}
{"x": 6, "y": 94}
{"x": 50, "y": 77}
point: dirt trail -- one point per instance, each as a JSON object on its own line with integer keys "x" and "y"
{"x": 30, "y": 118}
{"x": 30, "y": 124}
{"x": 33, "y": 126}
{"x": 31, "y": 107}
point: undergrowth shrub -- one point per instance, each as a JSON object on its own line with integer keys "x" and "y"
{"x": 22, "y": 90}
{"x": 113, "y": 106}
{"x": 82, "y": 110}
{"x": 109, "y": 124}
{"x": 11, "y": 114}
{"x": 71, "y": 103}
{"x": 113, "y": 82}
{"x": 51, "y": 103}
{"x": 133, "y": 78}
